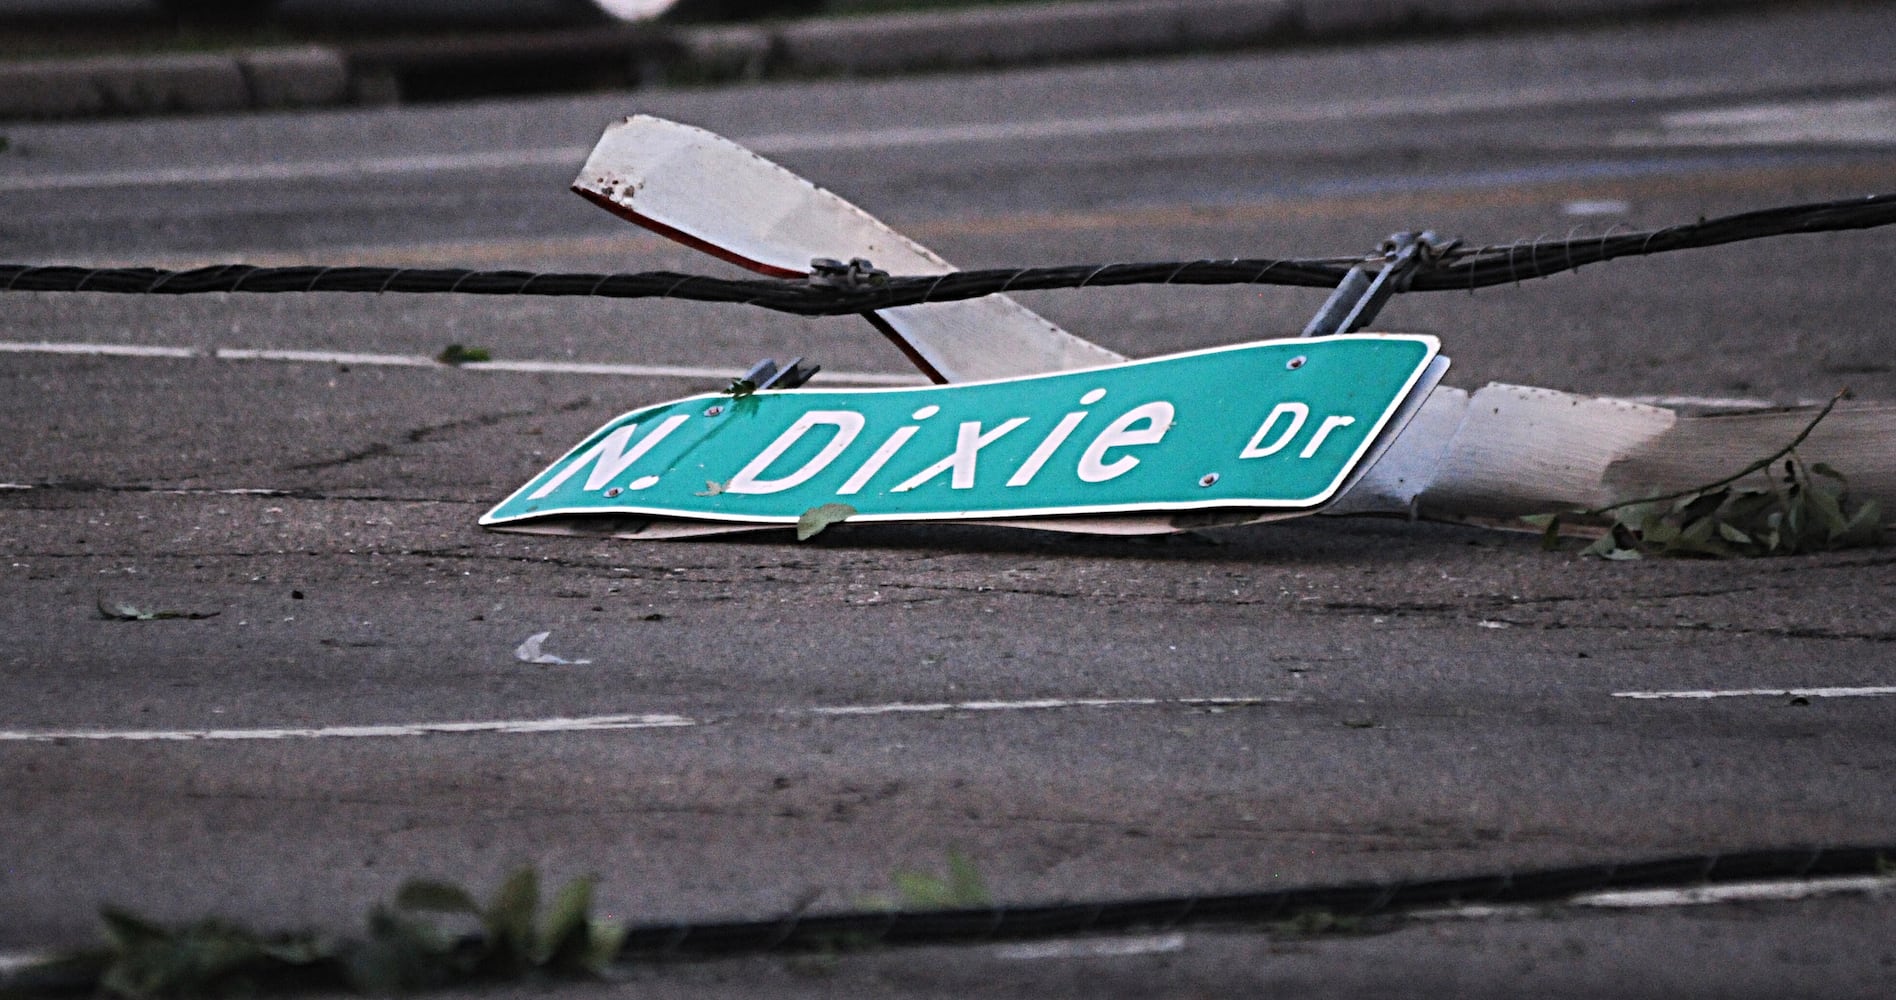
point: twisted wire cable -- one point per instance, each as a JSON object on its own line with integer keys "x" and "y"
{"x": 1455, "y": 269}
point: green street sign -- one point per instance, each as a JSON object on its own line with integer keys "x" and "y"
{"x": 1277, "y": 424}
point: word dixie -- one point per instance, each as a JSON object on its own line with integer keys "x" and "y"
{"x": 1109, "y": 452}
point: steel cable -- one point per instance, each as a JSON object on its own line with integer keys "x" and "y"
{"x": 1458, "y": 268}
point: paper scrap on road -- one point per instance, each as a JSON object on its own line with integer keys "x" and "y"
{"x": 529, "y": 652}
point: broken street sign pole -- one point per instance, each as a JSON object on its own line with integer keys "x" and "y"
{"x": 1486, "y": 456}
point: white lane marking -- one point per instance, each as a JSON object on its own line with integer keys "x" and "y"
{"x": 1281, "y": 113}
{"x": 510, "y": 727}
{"x": 1777, "y": 890}
{"x": 422, "y": 361}
{"x": 97, "y": 350}
{"x": 1851, "y": 122}
{"x": 602, "y": 722}
{"x": 308, "y": 170}
{"x": 1825, "y": 692}
{"x": 1737, "y": 892}
{"x": 1034, "y": 705}
{"x": 325, "y": 357}
{"x": 1153, "y": 944}
{"x": 659, "y": 371}
{"x": 1596, "y": 206}
{"x": 1354, "y": 109}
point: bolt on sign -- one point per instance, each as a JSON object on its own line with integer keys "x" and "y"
{"x": 1277, "y": 424}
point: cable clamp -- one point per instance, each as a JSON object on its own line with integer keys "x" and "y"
{"x": 827, "y": 272}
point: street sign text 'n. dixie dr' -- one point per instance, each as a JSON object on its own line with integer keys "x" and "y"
{"x": 1277, "y": 424}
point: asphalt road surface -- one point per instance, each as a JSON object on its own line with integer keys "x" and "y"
{"x": 1311, "y": 702}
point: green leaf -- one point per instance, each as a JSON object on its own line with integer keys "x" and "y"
{"x": 125, "y": 930}
{"x": 510, "y": 920}
{"x": 457, "y": 354}
{"x": 1865, "y": 527}
{"x": 1701, "y": 505}
{"x": 817, "y": 518}
{"x": 1824, "y": 503}
{"x": 1550, "y": 529}
{"x": 401, "y": 954}
{"x": 1697, "y": 532}
{"x": 921, "y": 890}
{"x": 962, "y": 889}
{"x": 1824, "y": 469}
{"x": 435, "y": 897}
{"x": 606, "y": 938}
{"x": 564, "y": 940}
{"x": 1601, "y": 546}
{"x": 964, "y": 882}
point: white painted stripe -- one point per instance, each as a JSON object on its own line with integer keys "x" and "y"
{"x": 97, "y": 350}
{"x": 1826, "y": 692}
{"x": 1154, "y": 944}
{"x": 1281, "y": 113}
{"x": 308, "y": 170}
{"x": 1596, "y": 206}
{"x": 1778, "y": 890}
{"x": 661, "y": 371}
{"x": 515, "y": 727}
{"x": 1849, "y": 121}
{"x": 1737, "y": 892}
{"x": 326, "y": 357}
{"x": 422, "y": 361}
{"x": 1034, "y": 705}
{"x": 597, "y": 722}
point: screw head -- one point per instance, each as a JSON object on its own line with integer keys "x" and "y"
{"x": 1208, "y": 479}
{"x": 613, "y": 492}
{"x": 714, "y": 411}
{"x": 1295, "y": 363}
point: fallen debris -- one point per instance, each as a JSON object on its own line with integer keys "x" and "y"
{"x": 119, "y": 611}
{"x": 456, "y": 354}
{"x": 814, "y": 520}
{"x": 1809, "y": 510}
{"x": 529, "y": 652}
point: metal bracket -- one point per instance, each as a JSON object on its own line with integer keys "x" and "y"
{"x": 766, "y": 375}
{"x": 828, "y": 272}
{"x": 1359, "y": 297}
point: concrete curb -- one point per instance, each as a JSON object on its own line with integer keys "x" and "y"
{"x": 108, "y": 86}
{"x": 1026, "y": 34}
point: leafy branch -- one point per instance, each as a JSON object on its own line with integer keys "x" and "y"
{"x": 1808, "y": 510}
{"x": 401, "y": 950}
